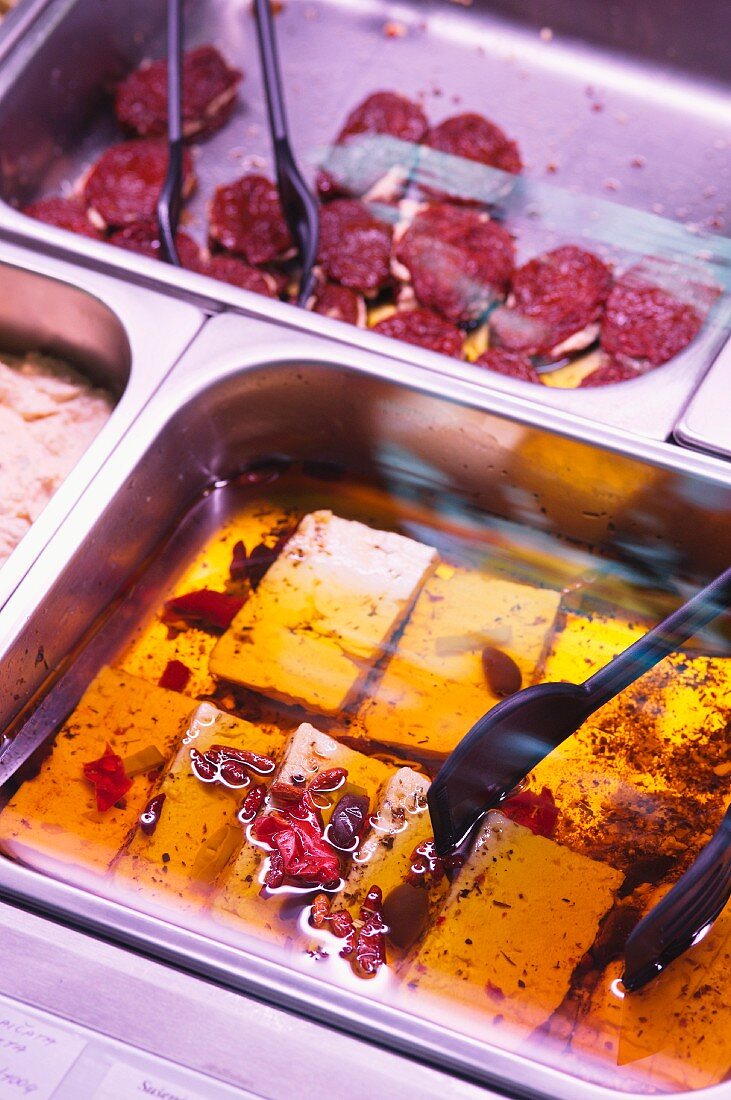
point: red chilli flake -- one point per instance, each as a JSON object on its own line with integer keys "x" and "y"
{"x": 328, "y": 781}
{"x": 205, "y": 609}
{"x": 108, "y": 777}
{"x": 428, "y": 867}
{"x": 537, "y": 812}
{"x": 151, "y": 814}
{"x": 297, "y": 840}
{"x": 175, "y": 677}
{"x": 370, "y": 946}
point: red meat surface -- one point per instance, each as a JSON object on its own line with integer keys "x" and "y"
{"x": 66, "y": 213}
{"x": 380, "y": 113}
{"x": 340, "y": 303}
{"x": 246, "y": 218}
{"x": 209, "y": 91}
{"x": 144, "y": 238}
{"x": 459, "y": 260}
{"x": 230, "y": 269}
{"x": 646, "y": 322}
{"x": 425, "y": 329}
{"x": 514, "y": 364}
{"x": 609, "y": 373}
{"x": 125, "y": 183}
{"x": 554, "y": 296}
{"x": 472, "y": 137}
{"x": 355, "y": 247}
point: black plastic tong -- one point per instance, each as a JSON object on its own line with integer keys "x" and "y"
{"x": 170, "y": 201}
{"x": 299, "y": 205}
{"x": 684, "y": 915}
{"x": 512, "y": 738}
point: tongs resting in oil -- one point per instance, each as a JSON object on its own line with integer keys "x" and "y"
{"x": 511, "y": 739}
{"x": 684, "y": 915}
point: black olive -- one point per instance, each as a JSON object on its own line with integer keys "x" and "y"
{"x": 347, "y": 821}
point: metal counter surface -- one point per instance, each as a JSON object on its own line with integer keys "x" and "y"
{"x": 134, "y": 1008}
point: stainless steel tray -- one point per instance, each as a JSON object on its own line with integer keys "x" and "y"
{"x": 706, "y": 423}
{"x": 244, "y": 391}
{"x": 125, "y": 339}
{"x": 587, "y": 117}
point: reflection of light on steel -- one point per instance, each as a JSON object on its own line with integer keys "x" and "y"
{"x": 617, "y": 989}
{"x": 702, "y": 934}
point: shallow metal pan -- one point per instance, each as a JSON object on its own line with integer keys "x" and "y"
{"x": 586, "y": 116}
{"x": 706, "y": 423}
{"x": 244, "y": 391}
{"x": 125, "y": 339}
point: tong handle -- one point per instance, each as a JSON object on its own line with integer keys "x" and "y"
{"x": 270, "y": 63}
{"x": 170, "y": 201}
{"x": 663, "y": 639}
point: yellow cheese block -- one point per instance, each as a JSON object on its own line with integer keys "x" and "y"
{"x": 400, "y": 823}
{"x": 175, "y": 862}
{"x": 241, "y": 899}
{"x": 675, "y": 1034}
{"x": 323, "y": 612}
{"x": 52, "y": 822}
{"x": 433, "y": 688}
{"x": 519, "y": 917}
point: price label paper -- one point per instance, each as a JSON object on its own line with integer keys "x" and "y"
{"x": 34, "y": 1056}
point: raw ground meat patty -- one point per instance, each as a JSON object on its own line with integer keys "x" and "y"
{"x": 341, "y": 303}
{"x": 380, "y": 113}
{"x": 125, "y": 183}
{"x": 511, "y": 363}
{"x": 229, "y": 269}
{"x": 355, "y": 247}
{"x": 646, "y": 322}
{"x": 425, "y": 329}
{"x": 66, "y": 213}
{"x": 209, "y": 90}
{"x": 144, "y": 238}
{"x": 554, "y": 297}
{"x": 459, "y": 261}
{"x": 609, "y": 373}
{"x": 246, "y": 218}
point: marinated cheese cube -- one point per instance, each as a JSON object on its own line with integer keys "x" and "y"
{"x": 197, "y": 831}
{"x": 52, "y": 823}
{"x": 520, "y": 915}
{"x": 675, "y": 1033}
{"x": 434, "y": 689}
{"x": 240, "y": 900}
{"x": 323, "y": 612}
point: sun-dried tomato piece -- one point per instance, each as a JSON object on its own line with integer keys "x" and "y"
{"x": 341, "y": 303}
{"x": 646, "y": 322}
{"x": 555, "y": 296}
{"x": 296, "y": 834}
{"x": 235, "y": 272}
{"x": 475, "y": 138}
{"x": 387, "y": 113}
{"x": 514, "y": 364}
{"x": 109, "y": 778}
{"x": 254, "y": 761}
{"x": 538, "y": 812}
{"x": 355, "y": 246}
{"x": 609, "y": 373}
{"x": 143, "y": 237}
{"x": 328, "y": 780}
{"x": 205, "y": 609}
{"x": 125, "y": 183}
{"x": 427, "y": 866}
{"x": 460, "y": 261}
{"x": 151, "y": 814}
{"x": 252, "y": 804}
{"x": 425, "y": 329}
{"x": 246, "y": 218}
{"x": 175, "y": 677}
{"x": 209, "y": 90}
{"x": 66, "y": 213}
{"x": 202, "y": 767}
{"x": 370, "y": 946}
{"x": 274, "y": 876}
